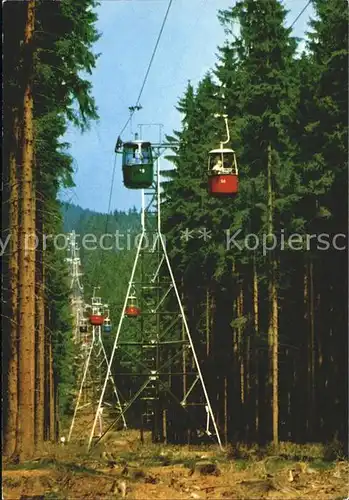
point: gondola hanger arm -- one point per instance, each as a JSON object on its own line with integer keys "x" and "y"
{"x": 225, "y": 116}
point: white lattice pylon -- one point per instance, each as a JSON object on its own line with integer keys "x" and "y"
{"x": 77, "y": 301}
{"x": 74, "y": 264}
{"x": 100, "y": 359}
{"x": 164, "y": 260}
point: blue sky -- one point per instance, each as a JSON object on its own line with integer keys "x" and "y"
{"x": 187, "y": 50}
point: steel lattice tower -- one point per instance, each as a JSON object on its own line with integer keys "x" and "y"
{"x": 165, "y": 374}
{"x": 94, "y": 363}
{"x": 76, "y": 297}
{"x": 92, "y": 359}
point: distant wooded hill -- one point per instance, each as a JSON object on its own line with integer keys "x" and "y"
{"x": 84, "y": 220}
{"x": 107, "y": 268}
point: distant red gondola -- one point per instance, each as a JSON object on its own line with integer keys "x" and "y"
{"x": 132, "y": 310}
{"x": 96, "y": 319}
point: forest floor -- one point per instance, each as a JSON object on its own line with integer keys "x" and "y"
{"x": 122, "y": 467}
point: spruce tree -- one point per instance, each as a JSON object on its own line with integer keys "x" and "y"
{"x": 50, "y": 47}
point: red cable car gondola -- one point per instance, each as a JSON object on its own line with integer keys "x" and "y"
{"x": 223, "y": 178}
{"x": 132, "y": 310}
{"x": 223, "y": 172}
{"x": 96, "y": 319}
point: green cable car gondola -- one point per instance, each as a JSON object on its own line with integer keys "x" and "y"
{"x": 137, "y": 164}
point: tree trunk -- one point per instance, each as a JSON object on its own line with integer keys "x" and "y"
{"x": 311, "y": 351}
{"x": 40, "y": 329}
{"x": 47, "y": 392}
{"x": 26, "y": 299}
{"x": 51, "y": 395}
{"x": 240, "y": 312}
{"x": 48, "y": 375}
{"x": 56, "y": 413}
{"x": 10, "y": 419}
{"x": 208, "y": 322}
{"x": 235, "y": 394}
{"x": 273, "y": 310}
{"x": 273, "y": 326}
{"x": 255, "y": 354}
{"x": 226, "y": 410}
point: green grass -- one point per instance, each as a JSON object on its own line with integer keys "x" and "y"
{"x": 52, "y": 464}
{"x": 241, "y": 455}
{"x": 54, "y": 496}
{"x": 319, "y": 464}
{"x": 189, "y": 463}
{"x": 299, "y": 452}
{"x": 152, "y": 455}
{"x": 241, "y": 464}
{"x": 275, "y": 464}
{"x": 44, "y": 463}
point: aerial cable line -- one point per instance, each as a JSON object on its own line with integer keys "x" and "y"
{"x": 301, "y": 13}
{"x": 154, "y": 52}
{"x": 137, "y": 106}
{"x": 110, "y": 194}
{"x": 133, "y": 109}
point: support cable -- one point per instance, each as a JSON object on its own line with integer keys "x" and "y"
{"x": 133, "y": 109}
{"x": 300, "y": 14}
{"x": 137, "y": 106}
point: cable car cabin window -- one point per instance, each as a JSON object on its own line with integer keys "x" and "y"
{"x": 216, "y": 163}
{"x": 146, "y": 156}
{"x": 228, "y": 161}
{"x": 222, "y": 163}
{"x": 132, "y": 154}
{"x": 137, "y": 154}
